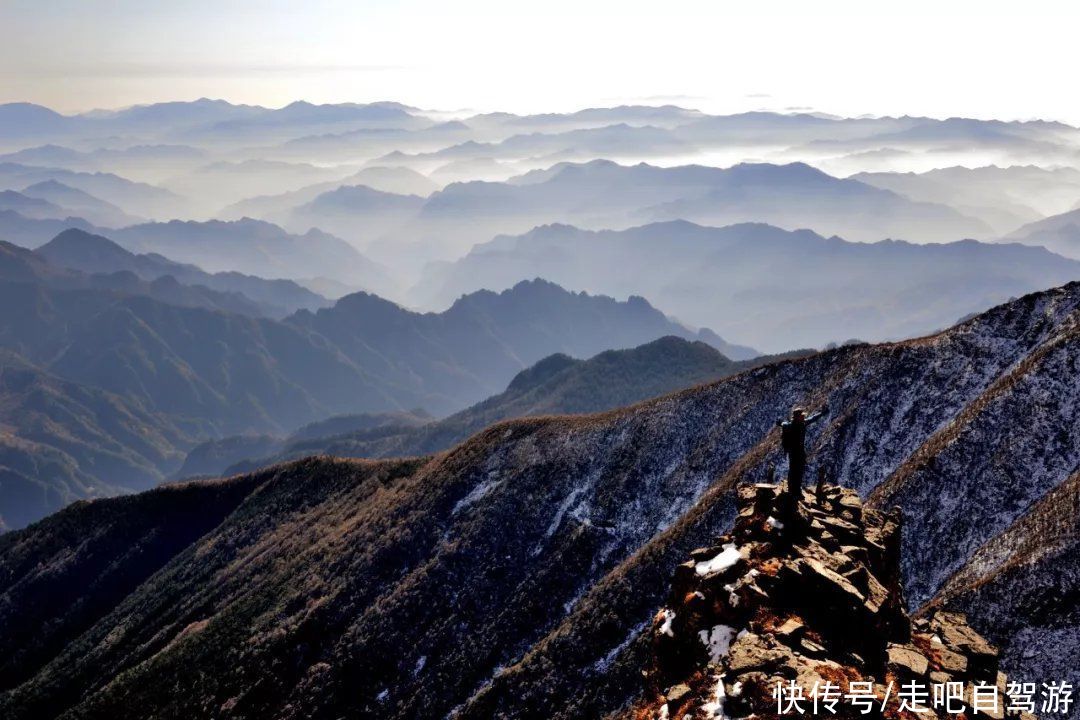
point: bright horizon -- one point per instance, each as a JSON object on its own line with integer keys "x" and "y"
{"x": 841, "y": 57}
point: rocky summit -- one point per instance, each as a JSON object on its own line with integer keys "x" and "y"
{"x": 803, "y": 613}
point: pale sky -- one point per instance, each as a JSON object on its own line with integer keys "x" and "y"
{"x": 978, "y": 59}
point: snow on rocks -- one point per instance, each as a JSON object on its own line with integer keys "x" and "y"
{"x": 723, "y": 561}
{"x": 714, "y": 709}
{"x": 718, "y": 641}
{"x": 818, "y": 603}
{"x": 668, "y": 617}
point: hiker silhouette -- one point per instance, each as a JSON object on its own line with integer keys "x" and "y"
{"x": 793, "y": 440}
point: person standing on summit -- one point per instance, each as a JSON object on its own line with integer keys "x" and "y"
{"x": 793, "y": 440}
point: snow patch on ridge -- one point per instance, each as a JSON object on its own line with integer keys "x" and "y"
{"x": 724, "y": 560}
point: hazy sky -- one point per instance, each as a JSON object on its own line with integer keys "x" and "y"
{"x": 980, "y": 59}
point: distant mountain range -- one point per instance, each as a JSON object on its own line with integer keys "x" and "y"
{"x": 557, "y": 384}
{"x": 203, "y": 120}
{"x": 187, "y": 363}
{"x": 215, "y": 456}
{"x": 396, "y": 181}
{"x": 18, "y": 265}
{"x": 246, "y": 246}
{"x": 94, "y": 254}
{"x": 257, "y": 248}
{"x": 1059, "y": 233}
{"x": 603, "y": 194}
{"x": 1002, "y": 197}
{"x": 775, "y": 289}
{"x": 78, "y": 203}
{"x": 356, "y": 212}
{"x": 523, "y": 569}
{"x": 635, "y": 131}
{"x": 215, "y": 185}
{"x": 137, "y": 198}
{"x": 363, "y": 354}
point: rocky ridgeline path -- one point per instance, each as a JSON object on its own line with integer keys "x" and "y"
{"x": 811, "y": 604}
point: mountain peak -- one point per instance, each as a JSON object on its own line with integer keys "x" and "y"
{"x": 75, "y": 235}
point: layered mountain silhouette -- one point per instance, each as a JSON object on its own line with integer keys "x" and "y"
{"x": 356, "y": 212}
{"x": 603, "y": 194}
{"x": 137, "y": 198}
{"x": 1059, "y": 234}
{"x": 20, "y": 266}
{"x": 519, "y": 573}
{"x": 216, "y": 120}
{"x": 465, "y": 492}
{"x": 1003, "y": 197}
{"x": 557, "y": 384}
{"x": 213, "y": 457}
{"x": 77, "y": 203}
{"x": 88, "y": 253}
{"x": 364, "y": 354}
{"x": 257, "y": 248}
{"x": 245, "y": 246}
{"x": 223, "y": 182}
{"x": 397, "y": 181}
{"x": 30, "y": 207}
{"x": 772, "y": 288}
{"x": 206, "y": 363}
{"x": 33, "y": 232}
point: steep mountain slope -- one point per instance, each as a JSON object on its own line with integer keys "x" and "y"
{"x": 1023, "y": 586}
{"x": 556, "y": 385}
{"x": 771, "y": 288}
{"x": 514, "y": 576}
{"x": 61, "y": 442}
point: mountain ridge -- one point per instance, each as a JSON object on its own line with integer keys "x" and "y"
{"x": 398, "y": 587}
{"x": 769, "y": 287}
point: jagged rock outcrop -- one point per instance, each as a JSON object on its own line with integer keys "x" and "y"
{"x": 787, "y": 605}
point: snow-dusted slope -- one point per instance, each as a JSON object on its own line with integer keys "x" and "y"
{"x": 513, "y": 576}
{"x": 1023, "y": 586}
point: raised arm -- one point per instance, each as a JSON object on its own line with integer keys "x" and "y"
{"x": 816, "y": 416}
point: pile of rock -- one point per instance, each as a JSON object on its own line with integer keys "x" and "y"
{"x": 802, "y": 612}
